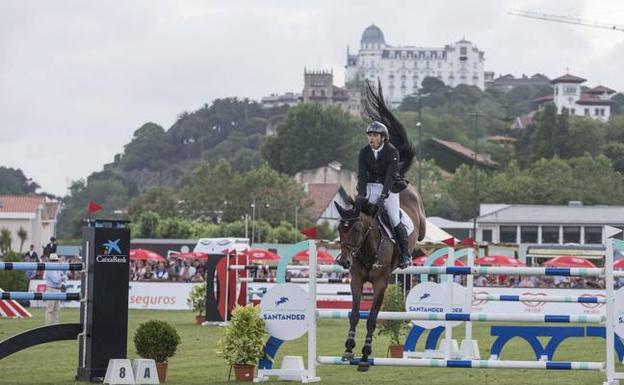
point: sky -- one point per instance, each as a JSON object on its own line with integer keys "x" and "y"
{"x": 77, "y": 78}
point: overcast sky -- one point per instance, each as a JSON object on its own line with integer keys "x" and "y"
{"x": 78, "y": 77}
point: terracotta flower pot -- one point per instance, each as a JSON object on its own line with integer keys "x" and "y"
{"x": 200, "y": 319}
{"x": 396, "y": 351}
{"x": 161, "y": 368}
{"x": 244, "y": 372}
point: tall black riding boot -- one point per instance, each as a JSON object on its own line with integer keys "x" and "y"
{"x": 401, "y": 237}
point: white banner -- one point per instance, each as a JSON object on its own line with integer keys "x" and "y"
{"x": 143, "y": 295}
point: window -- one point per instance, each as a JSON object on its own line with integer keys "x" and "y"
{"x": 569, "y": 90}
{"x": 587, "y": 112}
{"x": 593, "y": 234}
{"x": 508, "y": 234}
{"x": 528, "y": 234}
{"x": 486, "y": 235}
{"x": 596, "y": 111}
{"x": 571, "y": 234}
{"x": 573, "y": 112}
{"x": 550, "y": 234}
{"x": 463, "y": 51}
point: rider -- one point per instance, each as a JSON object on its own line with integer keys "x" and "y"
{"x": 378, "y": 174}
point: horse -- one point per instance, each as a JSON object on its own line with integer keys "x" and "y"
{"x": 363, "y": 242}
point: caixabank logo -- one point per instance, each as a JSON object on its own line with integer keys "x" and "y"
{"x": 284, "y": 310}
{"x": 112, "y": 253}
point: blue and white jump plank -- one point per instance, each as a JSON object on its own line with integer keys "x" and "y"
{"x": 538, "y": 298}
{"x": 32, "y": 296}
{"x": 41, "y": 266}
{"x": 497, "y": 270}
{"x": 481, "y": 364}
{"x": 504, "y": 317}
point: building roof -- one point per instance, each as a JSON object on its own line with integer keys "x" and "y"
{"x": 523, "y": 121}
{"x": 28, "y": 204}
{"x": 593, "y": 99}
{"x": 372, "y": 34}
{"x": 444, "y": 223}
{"x": 322, "y": 194}
{"x": 465, "y": 152}
{"x": 545, "y": 98}
{"x": 545, "y": 214}
{"x": 567, "y": 78}
{"x": 601, "y": 90}
{"x": 501, "y": 139}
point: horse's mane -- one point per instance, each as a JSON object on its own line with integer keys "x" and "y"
{"x": 376, "y": 109}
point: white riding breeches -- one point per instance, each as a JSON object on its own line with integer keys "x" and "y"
{"x": 391, "y": 204}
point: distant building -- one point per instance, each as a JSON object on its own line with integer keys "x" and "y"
{"x": 450, "y": 155}
{"x": 318, "y": 87}
{"x": 333, "y": 173}
{"x": 323, "y": 196}
{"x": 548, "y": 224}
{"x": 508, "y": 82}
{"x": 403, "y": 68}
{"x": 595, "y": 102}
{"x": 37, "y": 214}
{"x": 290, "y": 99}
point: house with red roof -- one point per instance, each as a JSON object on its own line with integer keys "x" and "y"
{"x": 323, "y": 196}
{"x": 37, "y": 214}
{"x": 594, "y": 102}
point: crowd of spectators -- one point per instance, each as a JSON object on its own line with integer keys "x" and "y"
{"x": 173, "y": 270}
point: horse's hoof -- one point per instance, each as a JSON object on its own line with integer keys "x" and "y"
{"x": 347, "y": 357}
{"x": 363, "y": 366}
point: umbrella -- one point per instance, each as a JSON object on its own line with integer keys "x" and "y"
{"x": 568, "y": 261}
{"x": 144, "y": 255}
{"x": 619, "y": 264}
{"x": 193, "y": 255}
{"x": 498, "y": 260}
{"x": 261, "y": 255}
{"x": 322, "y": 257}
{"x": 438, "y": 262}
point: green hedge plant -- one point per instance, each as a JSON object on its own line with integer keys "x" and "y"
{"x": 394, "y": 300}
{"x": 156, "y": 340}
{"x": 244, "y": 336}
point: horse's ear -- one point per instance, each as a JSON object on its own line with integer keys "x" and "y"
{"x": 342, "y": 211}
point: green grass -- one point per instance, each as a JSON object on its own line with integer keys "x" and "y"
{"x": 196, "y": 361}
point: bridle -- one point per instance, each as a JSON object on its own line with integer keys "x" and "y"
{"x": 354, "y": 247}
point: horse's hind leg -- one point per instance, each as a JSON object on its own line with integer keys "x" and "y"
{"x": 379, "y": 288}
{"x": 354, "y": 318}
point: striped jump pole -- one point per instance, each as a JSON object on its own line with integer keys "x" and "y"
{"x": 41, "y": 266}
{"x": 538, "y": 298}
{"x": 296, "y": 280}
{"x": 498, "y": 270}
{"x": 32, "y": 296}
{"x": 464, "y": 364}
{"x": 503, "y": 317}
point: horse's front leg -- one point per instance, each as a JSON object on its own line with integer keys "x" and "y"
{"x": 356, "y": 295}
{"x": 379, "y": 288}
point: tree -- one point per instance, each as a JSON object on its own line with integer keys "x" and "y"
{"x": 5, "y": 240}
{"x": 163, "y": 201}
{"x": 312, "y": 136}
{"x": 147, "y": 225}
{"x": 23, "y": 235}
{"x": 431, "y": 85}
{"x": 586, "y": 135}
{"x": 13, "y": 181}
{"x": 150, "y": 144}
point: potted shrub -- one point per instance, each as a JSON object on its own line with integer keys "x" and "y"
{"x": 157, "y": 340}
{"x": 394, "y": 300}
{"x": 242, "y": 345}
{"x": 197, "y": 302}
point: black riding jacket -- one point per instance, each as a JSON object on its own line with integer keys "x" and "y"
{"x": 384, "y": 169}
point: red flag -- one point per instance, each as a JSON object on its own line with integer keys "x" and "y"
{"x": 309, "y": 232}
{"x": 94, "y": 207}
{"x": 449, "y": 242}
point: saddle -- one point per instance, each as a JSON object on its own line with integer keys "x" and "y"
{"x": 384, "y": 221}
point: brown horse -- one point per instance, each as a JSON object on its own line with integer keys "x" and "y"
{"x": 362, "y": 243}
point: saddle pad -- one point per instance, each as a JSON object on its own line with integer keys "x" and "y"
{"x": 405, "y": 219}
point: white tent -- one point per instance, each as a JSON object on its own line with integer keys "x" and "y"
{"x": 435, "y": 234}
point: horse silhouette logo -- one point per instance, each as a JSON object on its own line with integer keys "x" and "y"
{"x": 425, "y": 295}
{"x": 281, "y": 301}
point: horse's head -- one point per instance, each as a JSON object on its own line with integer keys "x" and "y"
{"x": 351, "y": 231}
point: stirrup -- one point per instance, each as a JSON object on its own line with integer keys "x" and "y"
{"x": 404, "y": 262}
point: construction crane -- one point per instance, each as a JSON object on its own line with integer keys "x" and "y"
{"x": 565, "y": 19}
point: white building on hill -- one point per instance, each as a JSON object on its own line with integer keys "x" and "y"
{"x": 403, "y": 68}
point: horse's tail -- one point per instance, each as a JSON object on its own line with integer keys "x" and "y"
{"x": 376, "y": 109}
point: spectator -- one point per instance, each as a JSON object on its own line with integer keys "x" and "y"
{"x": 55, "y": 283}
{"x": 50, "y": 247}
{"x": 161, "y": 272}
{"x": 31, "y": 254}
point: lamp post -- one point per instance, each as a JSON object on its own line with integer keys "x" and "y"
{"x": 475, "y": 207}
{"x": 253, "y": 221}
{"x": 419, "y": 126}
